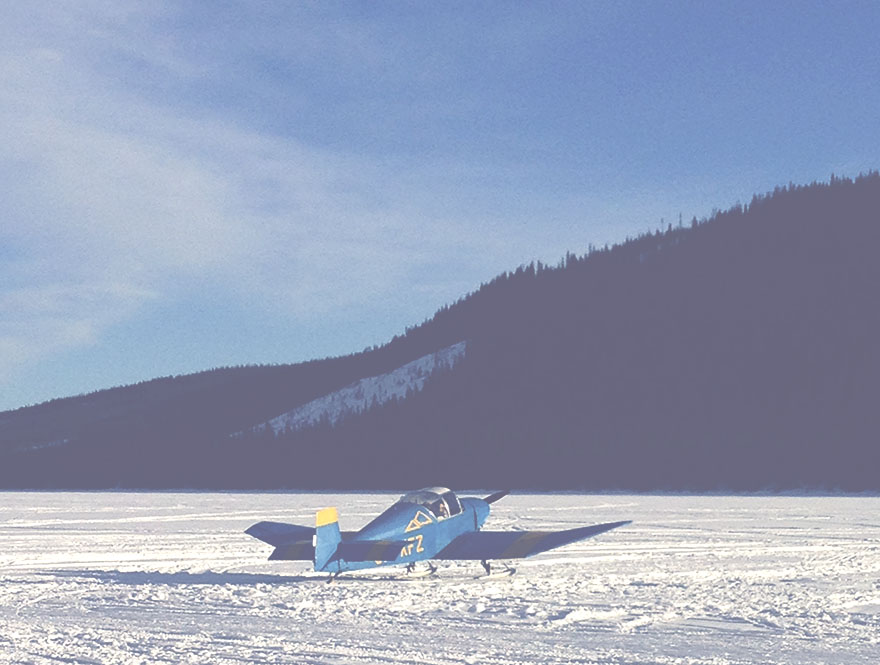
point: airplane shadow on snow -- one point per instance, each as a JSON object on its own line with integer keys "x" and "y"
{"x": 182, "y": 578}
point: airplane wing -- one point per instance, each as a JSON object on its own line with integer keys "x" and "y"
{"x": 485, "y": 545}
{"x": 362, "y": 550}
{"x": 370, "y": 550}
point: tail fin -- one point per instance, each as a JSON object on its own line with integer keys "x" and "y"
{"x": 327, "y": 536}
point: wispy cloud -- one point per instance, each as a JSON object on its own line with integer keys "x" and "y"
{"x": 41, "y": 321}
{"x": 120, "y": 196}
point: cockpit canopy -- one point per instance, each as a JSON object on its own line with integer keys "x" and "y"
{"x": 441, "y": 501}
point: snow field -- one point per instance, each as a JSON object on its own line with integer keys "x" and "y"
{"x": 170, "y": 578}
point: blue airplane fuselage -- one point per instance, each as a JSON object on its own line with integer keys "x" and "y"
{"x": 421, "y": 533}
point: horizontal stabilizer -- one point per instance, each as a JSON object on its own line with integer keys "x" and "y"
{"x": 484, "y": 545}
{"x": 370, "y": 550}
{"x": 301, "y": 550}
{"x": 278, "y": 533}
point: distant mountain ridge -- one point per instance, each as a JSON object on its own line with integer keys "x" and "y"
{"x": 737, "y": 352}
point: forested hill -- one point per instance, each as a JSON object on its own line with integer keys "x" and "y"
{"x": 739, "y": 352}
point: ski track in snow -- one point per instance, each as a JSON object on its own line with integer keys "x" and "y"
{"x": 171, "y": 578}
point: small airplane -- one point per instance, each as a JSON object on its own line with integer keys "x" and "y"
{"x": 428, "y": 524}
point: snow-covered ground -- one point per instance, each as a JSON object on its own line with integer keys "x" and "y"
{"x": 171, "y": 578}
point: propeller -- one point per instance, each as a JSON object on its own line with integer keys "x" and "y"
{"x": 492, "y": 498}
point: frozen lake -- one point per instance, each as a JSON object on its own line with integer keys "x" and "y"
{"x": 171, "y": 578}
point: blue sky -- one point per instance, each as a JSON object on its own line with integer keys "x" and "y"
{"x": 189, "y": 185}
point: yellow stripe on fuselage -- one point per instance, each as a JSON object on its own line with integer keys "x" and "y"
{"x": 326, "y": 516}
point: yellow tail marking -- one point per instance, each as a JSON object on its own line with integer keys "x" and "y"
{"x": 326, "y": 516}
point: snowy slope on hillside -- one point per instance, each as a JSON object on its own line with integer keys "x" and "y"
{"x": 361, "y": 395}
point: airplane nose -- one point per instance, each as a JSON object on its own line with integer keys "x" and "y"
{"x": 478, "y": 509}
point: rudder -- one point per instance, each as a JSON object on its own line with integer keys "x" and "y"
{"x": 327, "y": 536}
